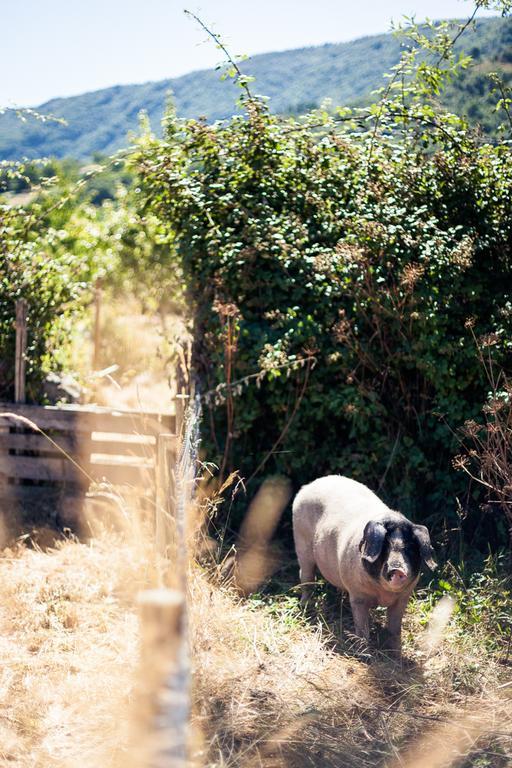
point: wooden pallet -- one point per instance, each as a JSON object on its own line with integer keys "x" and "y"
{"x": 87, "y": 444}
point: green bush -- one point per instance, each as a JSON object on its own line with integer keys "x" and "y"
{"x": 339, "y": 267}
{"x": 57, "y": 238}
{"x": 372, "y": 276}
{"x": 48, "y": 257}
{"x": 482, "y": 603}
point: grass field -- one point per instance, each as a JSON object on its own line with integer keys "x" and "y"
{"x": 68, "y": 646}
{"x": 270, "y": 689}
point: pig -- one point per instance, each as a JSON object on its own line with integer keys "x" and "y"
{"x": 360, "y": 546}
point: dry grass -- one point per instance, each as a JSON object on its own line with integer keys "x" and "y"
{"x": 68, "y": 644}
{"x": 262, "y": 682}
{"x": 270, "y": 689}
{"x": 273, "y": 691}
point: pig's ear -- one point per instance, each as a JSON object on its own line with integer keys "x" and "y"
{"x": 372, "y": 541}
{"x": 422, "y": 536}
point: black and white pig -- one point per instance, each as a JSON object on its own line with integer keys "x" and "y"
{"x": 360, "y": 546}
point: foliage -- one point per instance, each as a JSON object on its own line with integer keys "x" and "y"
{"x": 487, "y": 444}
{"x": 294, "y": 81}
{"x": 482, "y": 603}
{"x": 143, "y": 254}
{"x": 44, "y": 258}
{"x": 93, "y": 183}
{"x": 333, "y": 263}
{"x": 62, "y": 228}
{"x": 52, "y": 250}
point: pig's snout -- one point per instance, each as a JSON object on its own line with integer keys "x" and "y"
{"x": 397, "y": 577}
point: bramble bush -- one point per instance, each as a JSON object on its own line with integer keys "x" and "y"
{"x": 339, "y": 267}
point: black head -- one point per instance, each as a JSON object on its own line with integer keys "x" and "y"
{"x": 392, "y": 552}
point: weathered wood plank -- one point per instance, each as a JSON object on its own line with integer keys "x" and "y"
{"x": 92, "y": 419}
{"x": 124, "y": 437}
{"x": 78, "y": 445}
{"x": 42, "y": 468}
{"x": 137, "y": 450}
{"x": 123, "y": 474}
{"x": 34, "y": 493}
{"x": 20, "y": 351}
{"x": 63, "y": 470}
{"x": 164, "y": 691}
{"x": 35, "y": 441}
{"x": 98, "y": 295}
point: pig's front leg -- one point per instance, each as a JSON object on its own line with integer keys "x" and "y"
{"x": 361, "y": 613}
{"x": 395, "y": 616}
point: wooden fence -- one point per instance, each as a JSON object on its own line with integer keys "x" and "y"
{"x": 50, "y": 455}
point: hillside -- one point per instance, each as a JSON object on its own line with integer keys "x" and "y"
{"x": 294, "y": 81}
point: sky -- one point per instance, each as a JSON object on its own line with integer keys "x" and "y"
{"x": 54, "y": 48}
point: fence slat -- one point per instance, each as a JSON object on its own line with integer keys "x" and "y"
{"x": 88, "y": 419}
{"x": 63, "y": 470}
{"x": 145, "y": 451}
{"x": 98, "y": 295}
{"x": 35, "y": 493}
{"x": 41, "y": 468}
{"x": 165, "y": 524}
{"x": 34, "y": 441}
{"x": 78, "y": 445}
{"x": 122, "y": 474}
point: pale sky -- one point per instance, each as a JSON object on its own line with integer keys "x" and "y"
{"x": 55, "y": 48}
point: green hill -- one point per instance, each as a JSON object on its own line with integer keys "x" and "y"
{"x": 294, "y": 81}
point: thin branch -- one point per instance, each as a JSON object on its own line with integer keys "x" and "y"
{"x": 285, "y": 428}
{"x": 460, "y": 32}
{"x": 224, "y": 385}
{"x": 240, "y": 77}
{"x": 362, "y": 119}
{"x": 391, "y": 457}
{"x": 505, "y": 98}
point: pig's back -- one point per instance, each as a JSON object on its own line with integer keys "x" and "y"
{"x": 338, "y": 496}
{"x": 332, "y": 512}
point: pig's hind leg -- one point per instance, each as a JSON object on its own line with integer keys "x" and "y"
{"x": 306, "y": 573}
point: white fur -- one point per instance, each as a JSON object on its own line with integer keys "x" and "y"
{"x": 329, "y": 518}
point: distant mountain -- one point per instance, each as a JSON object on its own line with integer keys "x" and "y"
{"x": 294, "y": 81}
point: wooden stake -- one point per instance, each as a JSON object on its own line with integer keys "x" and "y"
{"x": 21, "y": 349}
{"x": 165, "y": 677}
{"x": 98, "y": 293}
{"x": 165, "y": 524}
{"x": 182, "y": 396}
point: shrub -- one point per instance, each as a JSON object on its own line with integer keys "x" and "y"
{"x": 487, "y": 443}
{"x": 347, "y": 280}
{"x": 333, "y": 263}
{"x": 47, "y": 258}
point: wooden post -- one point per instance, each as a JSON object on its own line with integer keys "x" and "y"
{"x": 164, "y": 689}
{"x": 181, "y": 399}
{"x": 20, "y": 354}
{"x": 98, "y": 293}
{"x": 165, "y": 526}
